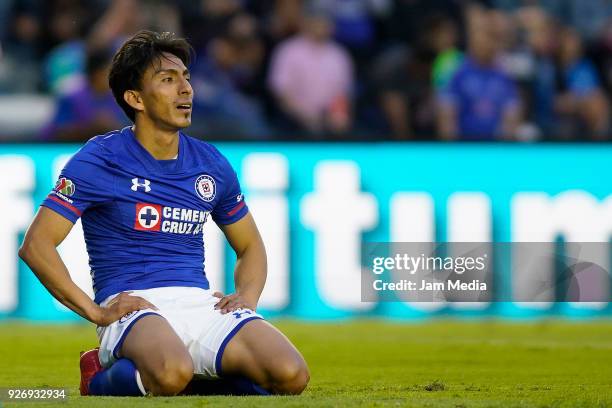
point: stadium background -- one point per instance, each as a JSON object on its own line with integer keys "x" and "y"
{"x": 369, "y": 153}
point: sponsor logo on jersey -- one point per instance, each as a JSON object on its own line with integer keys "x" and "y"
{"x": 145, "y": 185}
{"x": 174, "y": 220}
{"x": 205, "y": 187}
{"x": 148, "y": 217}
{"x": 65, "y": 186}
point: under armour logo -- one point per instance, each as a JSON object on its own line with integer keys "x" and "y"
{"x": 126, "y": 317}
{"x": 146, "y": 184}
{"x": 238, "y": 315}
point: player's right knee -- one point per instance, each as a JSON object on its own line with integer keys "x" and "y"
{"x": 172, "y": 378}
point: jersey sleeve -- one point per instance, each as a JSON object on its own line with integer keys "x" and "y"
{"x": 231, "y": 207}
{"x": 85, "y": 181}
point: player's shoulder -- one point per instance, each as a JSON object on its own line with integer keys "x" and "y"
{"x": 206, "y": 152}
{"x": 103, "y": 145}
{"x": 99, "y": 151}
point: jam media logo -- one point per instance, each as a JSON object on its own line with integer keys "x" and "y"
{"x": 148, "y": 217}
{"x": 65, "y": 186}
{"x": 205, "y": 187}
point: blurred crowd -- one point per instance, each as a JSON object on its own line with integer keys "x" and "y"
{"x": 520, "y": 70}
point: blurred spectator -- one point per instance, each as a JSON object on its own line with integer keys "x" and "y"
{"x": 20, "y": 46}
{"x": 5, "y": 18}
{"x": 403, "y": 88}
{"x": 539, "y": 35}
{"x": 262, "y": 68}
{"x": 244, "y": 37}
{"x": 588, "y": 17}
{"x": 120, "y": 19}
{"x": 73, "y": 31}
{"x": 519, "y": 61}
{"x": 602, "y": 55}
{"x": 481, "y": 101}
{"x": 445, "y": 43}
{"x": 408, "y": 19}
{"x": 221, "y": 80}
{"x": 311, "y": 77}
{"x": 204, "y": 20}
{"x": 284, "y": 20}
{"x": 581, "y": 105}
{"x": 405, "y": 79}
{"x": 65, "y": 63}
{"x": 515, "y": 57}
{"x": 355, "y": 24}
{"x": 90, "y": 110}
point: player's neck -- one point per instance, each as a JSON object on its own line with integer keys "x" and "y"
{"x": 161, "y": 144}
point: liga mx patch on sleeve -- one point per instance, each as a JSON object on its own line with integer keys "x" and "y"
{"x": 148, "y": 217}
{"x": 64, "y": 186}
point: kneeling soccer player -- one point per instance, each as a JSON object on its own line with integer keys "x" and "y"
{"x": 144, "y": 193}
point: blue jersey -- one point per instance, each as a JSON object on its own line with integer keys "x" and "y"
{"x": 143, "y": 218}
{"x": 481, "y": 96}
{"x": 581, "y": 78}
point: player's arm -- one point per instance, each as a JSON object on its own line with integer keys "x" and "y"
{"x": 447, "y": 121}
{"x": 39, "y": 251}
{"x": 512, "y": 113}
{"x": 511, "y": 120}
{"x": 448, "y": 101}
{"x": 251, "y": 266}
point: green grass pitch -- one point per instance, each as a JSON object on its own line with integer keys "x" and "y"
{"x": 371, "y": 363}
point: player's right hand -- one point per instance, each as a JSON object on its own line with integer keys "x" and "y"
{"x": 121, "y": 305}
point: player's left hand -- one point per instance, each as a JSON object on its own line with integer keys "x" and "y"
{"x": 231, "y": 302}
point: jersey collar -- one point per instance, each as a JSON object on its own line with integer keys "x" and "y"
{"x": 148, "y": 160}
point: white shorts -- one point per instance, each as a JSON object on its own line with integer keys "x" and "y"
{"x": 191, "y": 313}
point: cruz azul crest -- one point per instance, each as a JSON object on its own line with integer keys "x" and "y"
{"x": 205, "y": 187}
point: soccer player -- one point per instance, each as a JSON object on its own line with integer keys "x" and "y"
{"x": 144, "y": 193}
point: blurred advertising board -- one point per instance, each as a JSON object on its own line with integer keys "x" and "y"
{"x": 319, "y": 205}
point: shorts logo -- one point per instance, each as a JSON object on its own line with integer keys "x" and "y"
{"x": 126, "y": 317}
{"x": 148, "y": 217}
{"x": 205, "y": 187}
{"x": 65, "y": 186}
{"x": 238, "y": 315}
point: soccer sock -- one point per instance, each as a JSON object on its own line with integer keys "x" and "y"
{"x": 225, "y": 386}
{"x": 244, "y": 386}
{"x": 121, "y": 379}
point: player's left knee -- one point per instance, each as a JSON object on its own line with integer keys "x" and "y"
{"x": 291, "y": 377}
{"x": 172, "y": 377}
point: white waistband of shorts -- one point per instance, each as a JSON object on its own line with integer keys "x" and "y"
{"x": 162, "y": 289}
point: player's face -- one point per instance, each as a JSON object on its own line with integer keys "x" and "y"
{"x": 167, "y": 94}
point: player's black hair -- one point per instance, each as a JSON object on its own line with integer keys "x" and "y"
{"x": 136, "y": 55}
